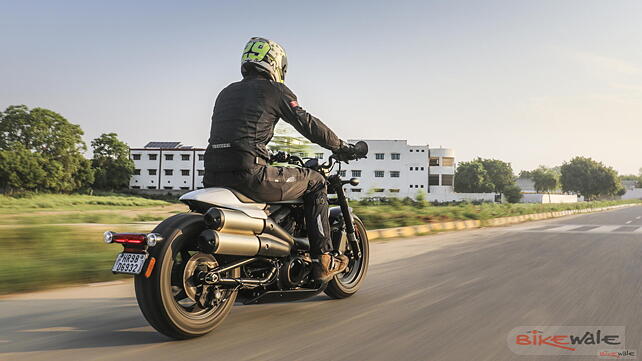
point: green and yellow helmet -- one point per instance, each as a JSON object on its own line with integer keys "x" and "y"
{"x": 265, "y": 56}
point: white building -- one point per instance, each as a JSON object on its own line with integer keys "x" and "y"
{"x": 168, "y": 166}
{"x": 396, "y": 169}
{"x": 393, "y": 169}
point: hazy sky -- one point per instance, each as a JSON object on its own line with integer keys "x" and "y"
{"x": 529, "y": 82}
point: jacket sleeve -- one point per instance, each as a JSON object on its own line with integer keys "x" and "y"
{"x": 304, "y": 122}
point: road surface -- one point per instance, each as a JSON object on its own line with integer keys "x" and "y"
{"x": 452, "y": 296}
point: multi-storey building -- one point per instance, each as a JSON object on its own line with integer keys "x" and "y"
{"x": 393, "y": 169}
{"x": 167, "y": 165}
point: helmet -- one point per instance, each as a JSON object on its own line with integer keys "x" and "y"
{"x": 265, "y": 56}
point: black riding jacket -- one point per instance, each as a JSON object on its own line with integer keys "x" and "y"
{"x": 243, "y": 122}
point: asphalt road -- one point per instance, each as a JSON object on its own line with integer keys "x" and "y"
{"x": 453, "y": 296}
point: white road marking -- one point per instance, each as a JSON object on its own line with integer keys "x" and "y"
{"x": 54, "y": 329}
{"x": 628, "y": 222}
{"x": 638, "y": 217}
{"x": 604, "y": 229}
{"x": 4, "y": 341}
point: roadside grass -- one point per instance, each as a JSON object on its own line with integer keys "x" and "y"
{"x": 58, "y": 202}
{"x": 39, "y": 257}
{"x": 397, "y": 214}
{"x": 80, "y": 217}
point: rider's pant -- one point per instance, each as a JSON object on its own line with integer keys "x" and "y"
{"x": 270, "y": 184}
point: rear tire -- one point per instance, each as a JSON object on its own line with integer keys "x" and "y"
{"x": 158, "y": 296}
{"x": 348, "y": 283}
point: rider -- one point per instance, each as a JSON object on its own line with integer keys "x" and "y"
{"x": 245, "y": 114}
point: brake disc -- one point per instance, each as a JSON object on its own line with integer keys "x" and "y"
{"x": 188, "y": 274}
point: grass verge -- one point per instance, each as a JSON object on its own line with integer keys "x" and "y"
{"x": 398, "y": 214}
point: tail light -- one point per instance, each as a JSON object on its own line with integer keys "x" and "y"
{"x": 132, "y": 239}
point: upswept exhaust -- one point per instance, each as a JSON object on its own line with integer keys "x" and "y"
{"x": 231, "y": 232}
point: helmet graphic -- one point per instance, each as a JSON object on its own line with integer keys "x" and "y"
{"x": 265, "y": 56}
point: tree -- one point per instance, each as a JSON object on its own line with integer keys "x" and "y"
{"x": 513, "y": 193}
{"x": 589, "y": 178}
{"x": 111, "y": 162}
{"x": 21, "y": 169}
{"x": 500, "y": 173}
{"x": 471, "y": 177}
{"x": 546, "y": 180}
{"x": 54, "y": 143}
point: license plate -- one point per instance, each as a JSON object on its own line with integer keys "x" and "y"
{"x": 130, "y": 263}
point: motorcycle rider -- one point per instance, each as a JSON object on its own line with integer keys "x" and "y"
{"x": 245, "y": 115}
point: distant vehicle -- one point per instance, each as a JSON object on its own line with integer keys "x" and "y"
{"x": 193, "y": 266}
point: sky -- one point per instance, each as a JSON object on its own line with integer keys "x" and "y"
{"x": 528, "y": 82}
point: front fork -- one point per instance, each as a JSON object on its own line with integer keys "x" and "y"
{"x": 336, "y": 184}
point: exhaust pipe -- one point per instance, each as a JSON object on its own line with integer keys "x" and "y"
{"x": 233, "y": 221}
{"x": 232, "y": 232}
{"x": 233, "y": 244}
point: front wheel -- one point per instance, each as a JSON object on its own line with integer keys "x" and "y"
{"x": 169, "y": 299}
{"x": 347, "y": 283}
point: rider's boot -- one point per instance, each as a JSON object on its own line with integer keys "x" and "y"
{"x": 329, "y": 265}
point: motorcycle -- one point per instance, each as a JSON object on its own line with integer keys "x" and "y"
{"x": 192, "y": 268}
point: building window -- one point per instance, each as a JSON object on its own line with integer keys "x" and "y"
{"x": 342, "y": 173}
{"x": 394, "y": 190}
{"x": 201, "y": 157}
{"x": 434, "y": 161}
{"x": 411, "y": 151}
{"x": 422, "y": 186}
{"x": 168, "y": 187}
{"x": 356, "y": 190}
{"x": 199, "y": 187}
{"x": 135, "y": 187}
{"x": 152, "y": 156}
{"x": 416, "y": 168}
{"x": 423, "y": 150}
{"x": 184, "y": 156}
{"x": 201, "y": 172}
{"x": 378, "y": 190}
{"x": 379, "y": 156}
{"x": 185, "y": 188}
{"x": 447, "y": 161}
{"x": 136, "y": 156}
{"x": 447, "y": 179}
{"x": 151, "y": 187}
{"x": 433, "y": 180}
{"x": 394, "y": 174}
{"x": 136, "y": 171}
{"x": 169, "y": 172}
{"x": 151, "y": 171}
{"x": 411, "y": 169}
{"x": 395, "y": 156}
{"x": 185, "y": 172}
{"x": 422, "y": 168}
{"x": 356, "y": 173}
{"x": 319, "y": 155}
{"x": 379, "y": 174}
{"x": 169, "y": 156}
{"x": 411, "y": 186}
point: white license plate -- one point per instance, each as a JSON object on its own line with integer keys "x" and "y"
{"x": 130, "y": 263}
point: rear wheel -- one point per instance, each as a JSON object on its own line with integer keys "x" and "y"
{"x": 169, "y": 299}
{"x": 347, "y": 283}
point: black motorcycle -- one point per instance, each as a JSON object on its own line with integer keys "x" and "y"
{"x": 193, "y": 266}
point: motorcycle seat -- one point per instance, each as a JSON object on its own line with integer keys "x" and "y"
{"x": 245, "y": 199}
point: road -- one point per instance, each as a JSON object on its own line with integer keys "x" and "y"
{"x": 452, "y": 296}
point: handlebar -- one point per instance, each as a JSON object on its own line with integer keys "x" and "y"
{"x": 353, "y": 152}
